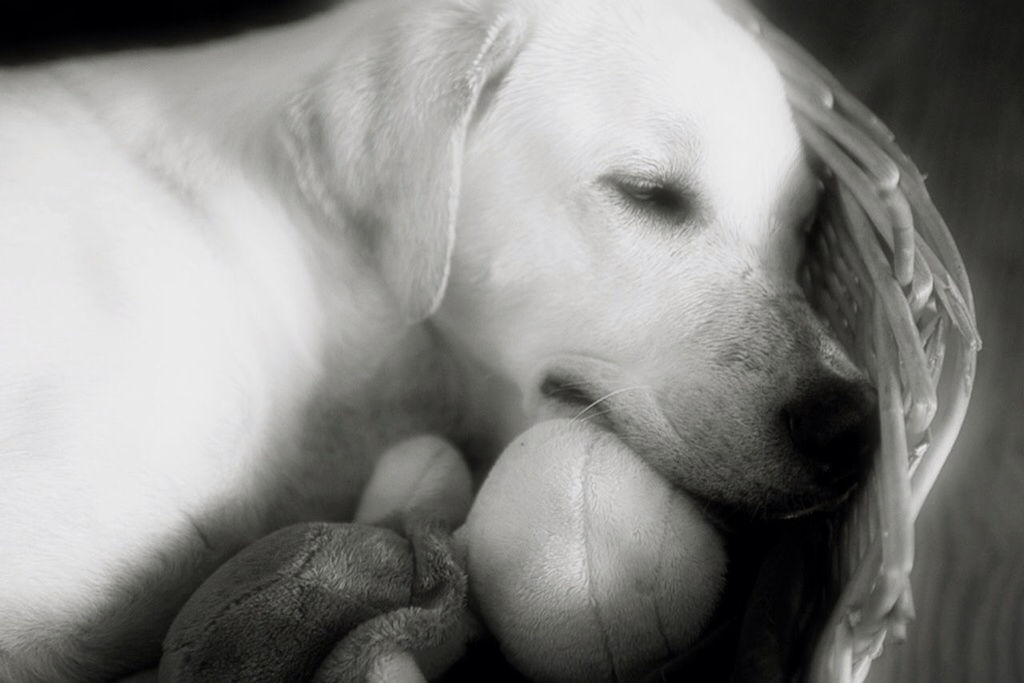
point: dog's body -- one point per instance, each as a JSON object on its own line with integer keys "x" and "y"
{"x": 216, "y": 262}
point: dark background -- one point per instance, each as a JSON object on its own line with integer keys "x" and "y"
{"x": 948, "y": 77}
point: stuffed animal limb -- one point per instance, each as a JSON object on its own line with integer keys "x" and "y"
{"x": 337, "y": 602}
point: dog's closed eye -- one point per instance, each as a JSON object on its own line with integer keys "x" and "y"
{"x": 663, "y": 200}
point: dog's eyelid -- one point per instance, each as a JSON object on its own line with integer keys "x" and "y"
{"x": 665, "y": 198}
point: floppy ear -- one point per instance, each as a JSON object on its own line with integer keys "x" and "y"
{"x": 377, "y": 142}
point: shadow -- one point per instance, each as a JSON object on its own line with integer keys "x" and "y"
{"x": 38, "y": 31}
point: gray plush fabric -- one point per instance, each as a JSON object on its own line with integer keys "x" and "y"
{"x": 319, "y": 601}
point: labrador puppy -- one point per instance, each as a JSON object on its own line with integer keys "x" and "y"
{"x": 232, "y": 273}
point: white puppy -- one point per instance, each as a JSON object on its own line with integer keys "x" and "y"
{"x": 232, "y": 273}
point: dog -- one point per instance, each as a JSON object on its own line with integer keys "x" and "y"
{"x": 233, "y": 272}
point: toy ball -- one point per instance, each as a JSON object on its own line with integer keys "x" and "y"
{"x": 585, "y": 563}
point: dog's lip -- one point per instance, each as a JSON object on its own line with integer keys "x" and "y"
{"x": 566, "y": 387}
{"x": 589, "y": 383}
{"x": 823, "y": 505}
{"x": 569, "y": 378}
{"x": 569, "y": 396}
{"x": 828, "y": 505}
{"x": 727, "y": 515}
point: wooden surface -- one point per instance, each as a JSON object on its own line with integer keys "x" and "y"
{"x": 948, "y": 77}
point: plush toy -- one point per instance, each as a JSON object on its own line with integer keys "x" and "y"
{"x": 582, "y": 562}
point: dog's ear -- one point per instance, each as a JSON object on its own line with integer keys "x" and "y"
{"x": 376, "y": 143}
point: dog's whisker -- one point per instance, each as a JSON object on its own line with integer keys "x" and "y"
{"x": 608, "y": 396}
{"x": 592, "y": 416}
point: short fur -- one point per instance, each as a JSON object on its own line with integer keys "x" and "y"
{"x": 233, "y": 273}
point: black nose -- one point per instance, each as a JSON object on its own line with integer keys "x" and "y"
{"x": 834, "y": 427}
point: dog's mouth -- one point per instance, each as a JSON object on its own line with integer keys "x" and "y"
{"x": 586, "y": 387}
{"x": 728, "y": 516}
{"x": 565, "y": 388}
{"x": 567, "y": 394}
{"x": 596, "y": 391}
{"x": 824, "y": 505}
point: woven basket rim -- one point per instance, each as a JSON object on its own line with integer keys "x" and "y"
{"x": 910, "y": 260}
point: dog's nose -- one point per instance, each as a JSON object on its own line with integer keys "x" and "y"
{"x": 835, "y": 428}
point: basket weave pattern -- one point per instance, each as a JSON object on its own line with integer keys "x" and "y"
{"x": 882, "y": 268}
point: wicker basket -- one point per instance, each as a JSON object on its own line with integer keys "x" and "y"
{"x": 882, "y": 268}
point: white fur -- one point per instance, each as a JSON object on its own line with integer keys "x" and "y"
{"x": 199, "y": 344}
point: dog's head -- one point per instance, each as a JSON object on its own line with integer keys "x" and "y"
{"x": 603, "y": 201}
